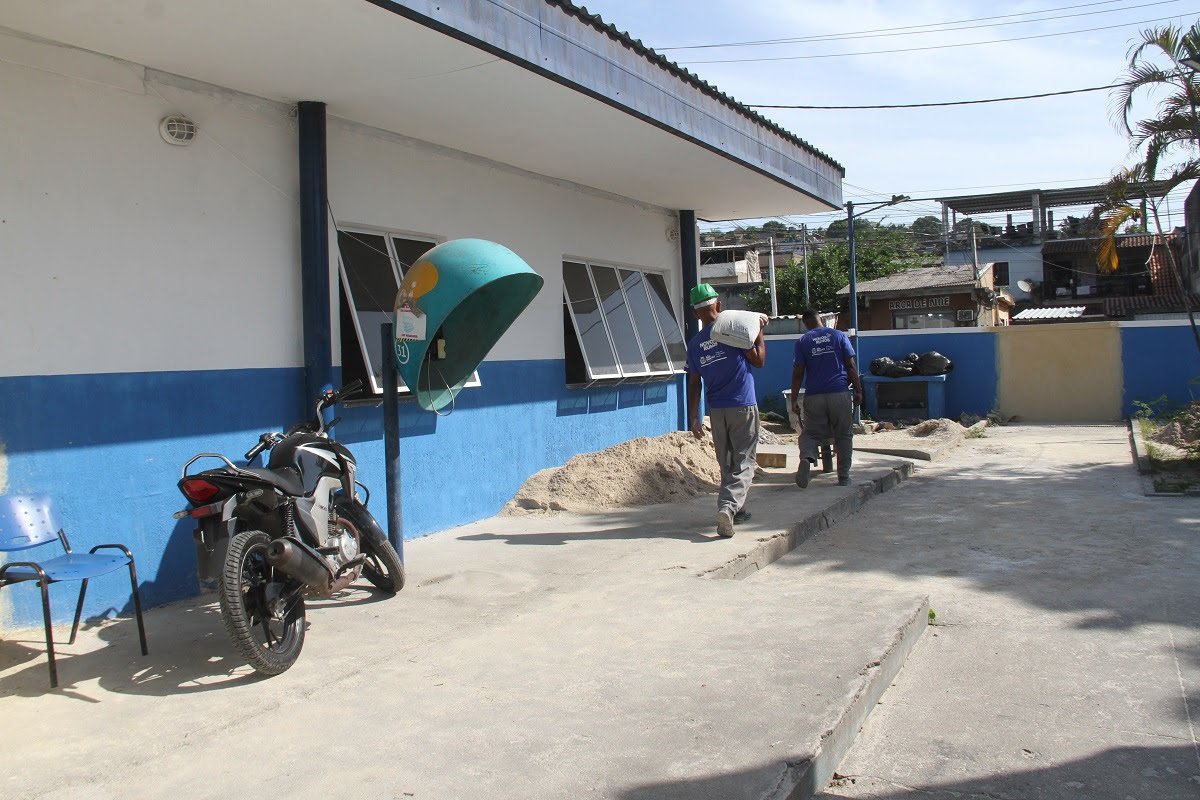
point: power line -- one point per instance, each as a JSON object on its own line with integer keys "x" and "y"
{"x": 946, "y": 103}
{"x": 910, "y": 30}
{"x": 934, "y": 47}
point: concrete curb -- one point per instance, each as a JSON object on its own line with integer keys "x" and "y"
{"x": 813, "y": 777}
{"x": 772, "y": 548}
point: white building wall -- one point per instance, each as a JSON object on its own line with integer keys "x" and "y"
{"x": 381, "y": 180}
{"x": 108, "y": 232}
{"x": 1024, "y": 263}
{"x": 121, "y": 233}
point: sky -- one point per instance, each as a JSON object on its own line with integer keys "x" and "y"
{"x": 1050, "y": 46}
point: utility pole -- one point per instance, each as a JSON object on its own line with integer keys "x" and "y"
{"x": 804, "y": 255}
{"x": 771, "y": 272}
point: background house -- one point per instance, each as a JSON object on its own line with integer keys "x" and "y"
{"x": 199, "y": 235}
{"x": 961, "y": 296}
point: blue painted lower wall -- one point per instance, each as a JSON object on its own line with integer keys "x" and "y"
{"x": 1159, "y": 361}
{"x": 109, "y": 449}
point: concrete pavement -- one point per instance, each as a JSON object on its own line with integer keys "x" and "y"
{"x": 635, "y": 655}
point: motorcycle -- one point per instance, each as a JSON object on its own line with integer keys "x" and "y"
{"x": 269, "y": 537}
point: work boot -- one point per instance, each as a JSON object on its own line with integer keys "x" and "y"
{"x": 843, "y": 480}
{"x": 803, "y": 473}
{"x": 742, "y": 516}
{"x": 724, "y": 524}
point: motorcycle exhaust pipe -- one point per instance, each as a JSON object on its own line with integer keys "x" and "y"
{"x": 297, "y": 563}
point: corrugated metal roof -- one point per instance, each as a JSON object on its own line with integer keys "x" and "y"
{"x": 920, "y": 278}
{"x": 1022, "y": 199}
{"x": 1062, "y": 312}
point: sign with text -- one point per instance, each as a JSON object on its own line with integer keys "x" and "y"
{"x": 915, "y": 303}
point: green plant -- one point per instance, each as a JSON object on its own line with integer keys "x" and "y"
{"x": 1159, "y": 408}
{"x": 932, "y": 614}
{"x": 976, "y": 433}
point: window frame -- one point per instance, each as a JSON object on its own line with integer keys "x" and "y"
{"x": 609, "y": 316}
{"x": 398, "y": 269}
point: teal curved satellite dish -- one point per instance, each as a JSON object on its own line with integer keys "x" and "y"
{"x": 453, "y": 305}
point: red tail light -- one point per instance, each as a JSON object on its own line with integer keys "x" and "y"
{"x": 198, "y": 490}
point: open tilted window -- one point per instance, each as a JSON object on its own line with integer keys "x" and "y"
{"x": 371, "y": 265}
{"x": 618, "y": 325}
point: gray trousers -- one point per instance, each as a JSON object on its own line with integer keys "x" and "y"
{"x": 829, "y": 416}
{"x": 735, "y": 433}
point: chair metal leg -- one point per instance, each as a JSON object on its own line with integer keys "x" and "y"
{"x": 137, "y": 606}
{"x": 78, "y": 610}
{"x": 45, "y": 587}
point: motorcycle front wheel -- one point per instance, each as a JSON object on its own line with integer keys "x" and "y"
{"x": 262, "y": 609}
{"x": 383, "y": 567}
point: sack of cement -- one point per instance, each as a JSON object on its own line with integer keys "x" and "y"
{"x": 737, "y": 328}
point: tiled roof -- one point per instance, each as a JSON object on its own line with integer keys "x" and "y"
{"x": 1068, "y": 246}
{"x": 919, "y": 278}
{"x": 1166, "y": 303}
{"x": 651, "y": 55}
{"x": 1062, "y": 312}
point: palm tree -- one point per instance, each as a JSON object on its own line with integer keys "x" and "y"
{"x": 1157, "y": 65}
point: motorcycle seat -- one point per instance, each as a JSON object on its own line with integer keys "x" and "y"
{"x": 285, "y": 480}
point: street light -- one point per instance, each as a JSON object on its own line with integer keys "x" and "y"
{"x": 850, "y": 215}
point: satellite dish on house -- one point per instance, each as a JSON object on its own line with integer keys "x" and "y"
{"x": 1024, "y": 285}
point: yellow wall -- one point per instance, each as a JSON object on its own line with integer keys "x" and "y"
{"x": 1065, "y": 372}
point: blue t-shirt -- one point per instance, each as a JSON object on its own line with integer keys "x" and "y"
{"x": 724, "y": 370}
{"x": 822, "y": 351}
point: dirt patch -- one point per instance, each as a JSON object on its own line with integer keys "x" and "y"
{"x": 930, "y": 435}
{"x": 1173, "y": 448}
{"x": 640, "y": 472}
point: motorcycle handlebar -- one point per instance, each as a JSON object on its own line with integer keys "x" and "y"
{"x": 264, "y": 441}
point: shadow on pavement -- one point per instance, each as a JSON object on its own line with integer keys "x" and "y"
{"x": 1116, "y": 773}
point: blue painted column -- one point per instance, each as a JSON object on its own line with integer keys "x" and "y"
{"x": 690, "y": 269}
{"x": 314, "y": 250}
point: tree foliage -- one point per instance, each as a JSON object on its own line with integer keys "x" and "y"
{"x": 879, "y": 250}
{"x": 1156, "y": 64}
{"x": 930, "y": 226}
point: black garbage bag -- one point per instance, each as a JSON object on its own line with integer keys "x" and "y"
{"x": 912, "y": 357}
{"x": 880, "y": 365}
{"x": 899, "y": 369}
{"x": 934, "y": 363}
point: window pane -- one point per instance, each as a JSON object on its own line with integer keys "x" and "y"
{"x": 643, "y": 318}
{"x": 589, "y": 323}
{"x": 409, "y": 250}
{"x": 661, "y": 301}
{"x": 370, "y": 285}
{"x": 369, "y": 269}
{"x": 620, "y": 323}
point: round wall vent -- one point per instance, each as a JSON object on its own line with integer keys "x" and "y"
{"x": 177, "y": 130}
{"x": 672, "y": 234}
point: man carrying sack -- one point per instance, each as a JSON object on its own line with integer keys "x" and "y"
{"x": 724, "y": 372}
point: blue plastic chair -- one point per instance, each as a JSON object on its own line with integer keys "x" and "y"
{"x": 27, "y": 522}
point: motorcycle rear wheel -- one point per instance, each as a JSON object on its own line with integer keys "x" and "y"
{"x": 262, "y": 609}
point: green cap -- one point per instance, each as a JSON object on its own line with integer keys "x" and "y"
{"x": 703, "y": 295}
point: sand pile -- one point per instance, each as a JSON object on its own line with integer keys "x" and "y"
{"x": 932, "y": 435}
{"x": 1182, "y": 430}
{"x": 640, "y": 472}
